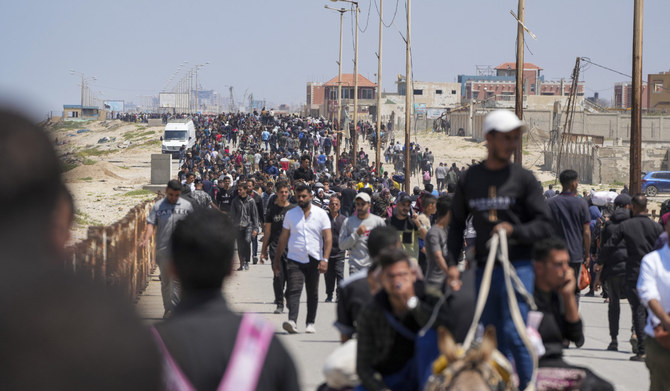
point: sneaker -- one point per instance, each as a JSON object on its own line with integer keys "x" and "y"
{"x": 329, "y": 299}
{"x": 639, "y": 357}
{"x": 279, "y": 309}
{"x": 246, "y": 265}
{"x": 255, "y": 260}
{"x": 310, "y": 328}
{"x": 590, "y": 294}
{"x": 613, "y": 346}
{"x": 239, "y": 269}
{"x": 290, "y": 327}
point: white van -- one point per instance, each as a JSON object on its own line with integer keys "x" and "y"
{"x": 178, "y": 132}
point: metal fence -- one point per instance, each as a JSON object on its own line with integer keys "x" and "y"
{"x": 111, "y": 255}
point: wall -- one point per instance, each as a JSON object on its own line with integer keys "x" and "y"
{"x": 111, "y": 255}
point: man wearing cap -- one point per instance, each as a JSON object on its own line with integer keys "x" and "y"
{"x": 501, "y": 195}
{"x": 408, "y": 226}
{"x": 611, "y": 267}
{"x": 355, "y": 230}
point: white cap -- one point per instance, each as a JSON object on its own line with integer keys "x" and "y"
{"x": 364, "y": 196}
{"x": 502, "y": 121}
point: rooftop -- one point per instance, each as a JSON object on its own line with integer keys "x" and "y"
{"x": 348, "y": 81}
{"x": 512, "y": 65}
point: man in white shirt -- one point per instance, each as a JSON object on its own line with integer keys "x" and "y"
{"x": 653, "y": 288}
{"x": 307, "y": 233}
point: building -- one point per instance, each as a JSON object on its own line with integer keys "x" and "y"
{"x": 75, "y": 112}
{"x": 367, "y": 95}
{"x": 499, "y": 88}
{"x": 432, "y": 94}
{"x": 659, "y": 92}
{"x": 623, "y": 96}
{"x": 316, "y": 95}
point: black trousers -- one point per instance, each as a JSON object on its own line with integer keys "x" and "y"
{"x": 334, "y": 274}
{"x": 299, "y": 274}
{"x": 243, "y": 246}
{"x": 576, "y": 267}
{"x": 615, "y": 291}
{"x": 278, "y": 282}
{"x": 639, "y": 314}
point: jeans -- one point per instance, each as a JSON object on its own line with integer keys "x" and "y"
{"x": 278, "y": 282}
{"x": 615, "y": 292}
{"x": 334, "y": 274}
{"x": 497, "y": 313}
{"x": 170, "y": 287}
{"x": 299, "y": 274}
{"x": 639, "y": 314}
{"x": 243, "y": 246}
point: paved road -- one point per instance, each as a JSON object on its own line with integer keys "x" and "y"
{"x": 251, "y": 291}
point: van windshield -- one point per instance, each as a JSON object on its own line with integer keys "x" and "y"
{"x": 175, "y": 135}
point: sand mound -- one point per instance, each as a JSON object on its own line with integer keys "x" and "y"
{"x": 97, "y": 171}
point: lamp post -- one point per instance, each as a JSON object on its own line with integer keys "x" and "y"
{"x": 338, "y": 131}
{"x": 84, "y": 80}
{"x": 355, "y": 138}
{"x": 197, "y": 99}
{"x": 409, "y": 92}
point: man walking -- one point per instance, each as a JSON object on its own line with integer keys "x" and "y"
{"x": 335, "y": 272}
{"x": 572, "y": 218}
{"x": 244, "y": 213}
{"x": 162, "y": 220}
{"x": 639, "y": 233}
{"x": 441, "y": 175}
{"x": 501, "y": 195}
{"x": 306, "y": 231}
{"x": 355, "y": 232}
{"x": 407, "y": 225}
{"x": 272, "y": 228}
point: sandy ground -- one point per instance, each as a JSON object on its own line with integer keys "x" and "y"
{"x": 105, "y": 178}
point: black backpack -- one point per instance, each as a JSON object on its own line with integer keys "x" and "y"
{"x": 665, "y": 207}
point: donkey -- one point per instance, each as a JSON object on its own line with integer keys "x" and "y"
{"x": 481, "y": 368}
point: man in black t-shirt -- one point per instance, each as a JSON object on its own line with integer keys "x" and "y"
{"x": 272, "y": 228}
{"x": 224, "y": 194}
{"x": 304, "y": 172}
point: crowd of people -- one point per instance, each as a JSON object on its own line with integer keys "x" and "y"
{"x": 415, "y": 264}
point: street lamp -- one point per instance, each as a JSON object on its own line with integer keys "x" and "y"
{"x": 339, "y": 92}
{"x": 354, "y": 139}
{"x": 84, "y": 80}
{"x": 196, "y": 84}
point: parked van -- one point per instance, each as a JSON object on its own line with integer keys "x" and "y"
{"x": 178, "y": 132}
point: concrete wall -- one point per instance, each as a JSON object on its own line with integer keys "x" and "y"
{"x": 161, "y": 168}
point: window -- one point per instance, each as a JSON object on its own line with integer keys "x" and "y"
{"x": 366, "y": 93}
{"x": 418, "y": 92}
{"x": 658, "y": 86}
{"x": 438, "y": 92}
{"x": 453, "y": 92}
{"x": 347, "y": 93}
{"x": 333, "y": 94}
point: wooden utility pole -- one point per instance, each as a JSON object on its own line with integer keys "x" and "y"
{"x": 379, "y": 92}
{"x": 636, "y": 112}
{"x": 355, "y": 93}
{"x": 518, "y": 106}
{"x": 409, "y": 91}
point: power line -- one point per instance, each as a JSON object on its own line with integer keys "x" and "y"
{"x": 394, "y": 13}
{"x": 367, "y": 20}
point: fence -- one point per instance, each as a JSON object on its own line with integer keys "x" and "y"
{"x": 111, "y": 255}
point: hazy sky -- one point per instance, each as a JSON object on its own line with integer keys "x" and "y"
{"x": 271, "y": 48}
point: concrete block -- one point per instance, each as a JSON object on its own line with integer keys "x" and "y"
{"x": 155, "y": 122}
{"x": 161, "y": 168}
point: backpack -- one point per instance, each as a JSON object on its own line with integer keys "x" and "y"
{"x": 426, "y": 176}
{"x": 665, "y": 207}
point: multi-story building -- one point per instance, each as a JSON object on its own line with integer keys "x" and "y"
{"x": 623, "y": 96}
{"x": 322, "y": 97}
{"x": 501, "y": 86}
{"x": 659, "y": 92}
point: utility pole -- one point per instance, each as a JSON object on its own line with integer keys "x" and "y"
{"x": 636, "y": 112}
{"x": 339, "y": 97}
{"x": 197, "y": 99}
{"x": 379, "y": 92}
{"x": 82, "y": 91}
{"x": 409, "y": 91}
{"x": 353, "y": 155}
{"x": 518, "y": 106}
